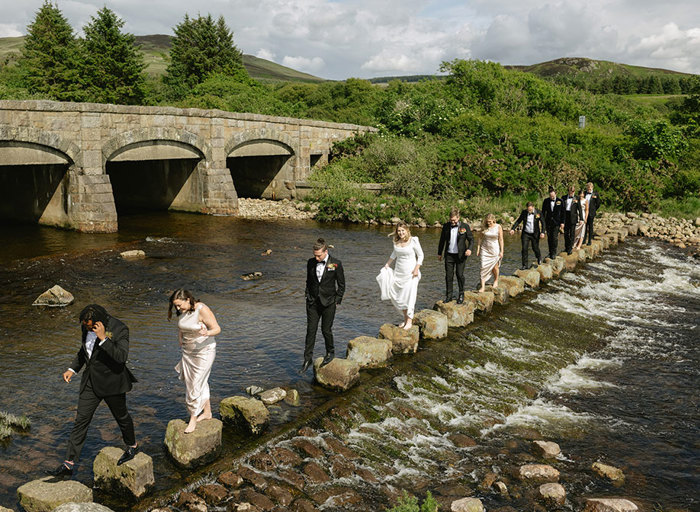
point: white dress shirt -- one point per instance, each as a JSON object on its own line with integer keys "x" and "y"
{"x": 569, "y": 200}
{"x": 320, "y": 267}
{"x": 90, "y": 339}
{"x": 530, "y": 223}
{"x": 454, "y": 232}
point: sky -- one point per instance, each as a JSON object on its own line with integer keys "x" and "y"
{"x": 338, "y": 39}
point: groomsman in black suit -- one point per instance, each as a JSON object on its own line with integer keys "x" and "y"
{"x": 532, "y": 232}
{"x": 593, "y": 200}
{"x": 569, "y": 219}
{"x": 325, "y": 286}
{"x": 103, "y": 352}
{"x": 551, "y": 213}
{"x": 456, "y": 239}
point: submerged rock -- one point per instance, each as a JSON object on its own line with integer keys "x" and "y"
{"x": 609, "y": 505}
{"x": 513, "y": 284}
{"x": 531, "y": 277}
{"x": 552, "y": 493}
{"x": 196, "y": 448}
{"x": 403, "y": 341}
{"x": 249, "y": 413}
{"x": 467, "y": 505}
{"x": 272, "y": 396}
{"x": 134, "y": 477}
{"x": 292, "y": 397}
{"x": 538, "y": 472}
{"x": 254, "y": 390}
{"x": 608, "y": 472}
{"x": 546, "y": 449}
{"x": 136, "y": 254}
{"x": 338, "y": 375}
{"x": 483, "y": 301}
{"x": 46, "y": 494}
{"x": 54, "y": 297}
{"x": 458, "y": 315}
{"x": 432, "y": 324}
{"x": 369, "y": 352}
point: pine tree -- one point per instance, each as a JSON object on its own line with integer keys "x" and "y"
{"x": 113, "y": 66}
{"x": 200, "y": 48}
{"x": 49, "y": 61}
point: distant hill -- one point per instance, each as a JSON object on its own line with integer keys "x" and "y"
{"x": 592, "y": 68}
{"x": 156, "y": 49}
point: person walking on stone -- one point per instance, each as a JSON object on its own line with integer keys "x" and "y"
{"x": 593, "y": 201}
{"x": 491, "y": 249}
{"x": 400, "y": 284}
{"x": 551, "y": 213}
{"x": 533, "y": 228}
{"x": 456, "y": 240}
{"x": 103, "y": 354}
{"x": 197, "y": 327}
{"x": 581, "y": 206}
{"x": 325, "y": 287}
{"x": 569, "y": 219}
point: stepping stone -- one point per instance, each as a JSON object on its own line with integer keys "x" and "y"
{"x": 134, "y": 477}
{"x": 570, "y": 261}
{"x": 369, "y": 352}
{"x": 483, "y": 301}
{"x": 54, "y": 297}
{"x": 458, "y": 315}
{"x": 531, "y": 277}
{"x": 338, "y": 375}
{"x": 500, "y": 293}
{"x": 196, "y": 448}
{"x": 513, "y": 284}
{"x": 248, "y": 413}
{"x": 432, "y": 324}
{"x": 609, "y": 505}
{"x": 403, "y": 341}
{"x": 45, "y": 494}
{"x": 545, "y": 271}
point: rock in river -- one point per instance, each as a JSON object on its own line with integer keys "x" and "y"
{"x": 432, "y": 324}
{"x": 531, "y": 276}
{"x": 196, "y": 448}
{"x": 45, "y": 494}
{"x": 546, "y": 449}
{"x": 272, "y": 396}
{"x": 82, "y": 507}
{"x": 538, "y": 473}
{"x": 609, "y": 505}
{"x": 403, "y": 341}
{"x": 249, "y": 413}
{"x": 369, "y": 352}
{"x": 610, "y": 473}
{"x": 134, "y": 478}
{"x": 458, "y": 315}
{"x": 552, "y": 493}
{"x": 54, "y": 297}
{"x": 467, "y": 505}
{"x": 339, "y": 374}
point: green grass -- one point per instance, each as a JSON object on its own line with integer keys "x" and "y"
{"x": 11, "y": 421}
{"x": 653, "y": 100}
{"x": 688, "y": 208}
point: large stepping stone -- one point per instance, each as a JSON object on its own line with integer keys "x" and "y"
{"x": 545, "y": 271}
{"x": 513, "y": 284}
{"x": 590, "y": 251}
{"x": 458, "y": 315}
{"x": 582, "y": 257}
{"x": 597, "y": 247}
{"x": 82, "y": 507}
{"x": 338, "y": 375}
{"x": 248, "y": 413}
{"x": 570, "y": 261}
{"x": 403, "y": 341}
{"x": 432, "y": 324}
{"x": 483, "y": 301}
{"x": 558, "y": 264}
{"x": 369, "y": 352}
{"x": 54, "y": 297}
{"x": 622, "y": 234}
{"x": 609, "y": 505}
{"x": 46, "y": 494}
{"x": 134, "y": 478}
{"x": 531, "y": 277}
{"x": 196, "y": 448}
{"x": 500, "y": 293}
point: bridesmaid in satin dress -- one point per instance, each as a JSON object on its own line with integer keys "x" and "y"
{"x": 197, "y": 327}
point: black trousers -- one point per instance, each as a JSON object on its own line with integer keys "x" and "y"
{"x": 553, "y": 240}
{"x": 314, "y": 313}
{"x": 588, "y": 235}
{"x": 569, "y": 235}
{"x": 526, "y": 239}
{"x": 87, "y": 403}
{"x": 452, "y": 263}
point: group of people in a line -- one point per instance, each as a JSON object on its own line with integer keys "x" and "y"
{"x": 104, "y": 346}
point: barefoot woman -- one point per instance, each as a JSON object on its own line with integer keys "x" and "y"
{"x": 197, "y": 327}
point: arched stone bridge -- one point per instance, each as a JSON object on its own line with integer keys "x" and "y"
{"x": 76, "y": 165}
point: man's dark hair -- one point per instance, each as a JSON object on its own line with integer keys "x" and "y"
{"x": 454, "y": 212}
{"x": 551, "y": 189}
{"x": 94, "y": 312}
{"x": 530, "y": 203}
{"x": 320, "y": 245}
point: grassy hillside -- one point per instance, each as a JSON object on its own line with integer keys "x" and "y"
{"x": 592, "y": 68}
{"x": 156, "y": 49}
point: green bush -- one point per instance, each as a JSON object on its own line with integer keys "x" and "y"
{"x": 410, "y": 504}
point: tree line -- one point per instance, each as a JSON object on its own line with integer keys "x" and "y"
{"x": 625, "y": 84}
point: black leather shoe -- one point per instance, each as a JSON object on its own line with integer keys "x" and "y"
{"x": 304, "y": 367}
{"x": 460, "y": 299}
{"x": 61, "y": 471}
{"x": 329, "y": 357}
{"x": 448, "y": 298}
{"x": 128, "y": 454}
{"x": 523, "y": 267}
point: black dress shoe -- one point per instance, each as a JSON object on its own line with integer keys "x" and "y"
{"x": 448, "y": 298}
{"x": 460, "y": 299}
{"x": 128, "y": 454}
{"x": 523, "y": 267}
{"x": 64, "y": 470}
{"x": 329, "y": 357}
{"x": 304, "y": 367}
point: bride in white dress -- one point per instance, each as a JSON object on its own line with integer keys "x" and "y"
{"x": 400, "y": 285}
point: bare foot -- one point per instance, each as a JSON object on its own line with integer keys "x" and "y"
{"x": 408, "y": 325}
{"x": 191, "y": 425}
{"x": 402, "y": 324}
{"x": 495, "y": 284}
{"x": 204, "y": 416}
{"x": 481, "y": 290}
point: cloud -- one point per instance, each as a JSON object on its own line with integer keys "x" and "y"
{"x": 9, "y": 30}
{"x": 303, "y": 63}
{"x": 263, "y": 53}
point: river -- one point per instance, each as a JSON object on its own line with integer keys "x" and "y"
{"x": 604, "y": 361}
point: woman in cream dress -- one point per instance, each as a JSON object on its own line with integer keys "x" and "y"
{"x": 197, "y": 327}
{"x": 400, "y": 285}
{"x": 580, "y": 230}
{"x": 491, "y": 249}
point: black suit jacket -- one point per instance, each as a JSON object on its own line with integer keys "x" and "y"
{"x": 332, "y": 286}
{"x": 570, "y": 217}
{"x": 551, "y": 217}
{"x": 106, "y": 369}
{"x": 537, "y": 224}
{"x": 593, "y": 205}
{"x": 465, "y": 239}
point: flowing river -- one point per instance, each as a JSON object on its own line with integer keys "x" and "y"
{"x": 603, "y": 361}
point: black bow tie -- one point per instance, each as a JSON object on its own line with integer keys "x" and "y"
{"x": 320, "y": 263}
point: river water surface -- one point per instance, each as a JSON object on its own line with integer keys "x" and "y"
{"x": 603, "y": 361}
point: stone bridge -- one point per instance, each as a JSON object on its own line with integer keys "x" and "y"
{"x": 77, "y": 165}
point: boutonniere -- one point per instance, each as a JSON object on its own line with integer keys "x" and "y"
{"x": 462, "y": 230}
{"x": 537, "y": 216}
{"x": 558, "y": 202}
{"x": 332, "y": 266}
{"x": 108, "y": 334}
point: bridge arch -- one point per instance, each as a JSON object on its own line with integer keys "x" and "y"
{"x": 154, "y": 138}
{"x": 261, "y": 160}
{"x": 34, "y": 175}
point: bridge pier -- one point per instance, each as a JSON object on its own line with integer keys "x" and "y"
{"x": 90, "y": 203}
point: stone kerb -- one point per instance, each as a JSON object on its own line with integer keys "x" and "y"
{"x": 134, "y": 478}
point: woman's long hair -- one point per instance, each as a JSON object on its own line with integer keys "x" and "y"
{"x": 488, "y": 217}
{"x": 180, "y": 294}
{"x": 395, "y": 234}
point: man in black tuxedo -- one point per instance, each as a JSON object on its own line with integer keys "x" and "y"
{"x": 103, "y": 352}
{"x": 456, "y": 239}
{"x": 325, "y": 286}
{"x": 593, "y": 200}
{"x": 569, "y": 219}
{"x": 551, "y": 213}
{"x": 532, "y": 232}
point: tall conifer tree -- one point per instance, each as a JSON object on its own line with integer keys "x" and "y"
{"x": 50, "y": 58}
{"x": 113, "y": 65}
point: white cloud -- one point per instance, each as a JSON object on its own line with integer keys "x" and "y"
{"x": 303, "y": 63}
{"x": 266, "y": 54}
{"x": 9, "y": 30}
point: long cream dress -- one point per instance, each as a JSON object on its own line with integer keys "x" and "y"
{"x": 398, "y": 284}
{"x": 580, "y": 230}
{"x": 490, "y": 251}
{"x": 198, "y": 354}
